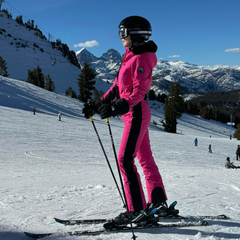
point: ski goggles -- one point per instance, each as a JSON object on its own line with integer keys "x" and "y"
{"x": 123, "y": 32}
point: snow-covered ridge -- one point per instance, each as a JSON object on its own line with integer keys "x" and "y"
{"x": 193, "y": 78}
{"x": 23, "y": 50}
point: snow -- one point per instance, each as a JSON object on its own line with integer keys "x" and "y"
{"x": 80, "y": 51}
{"x": 51, "y": 168}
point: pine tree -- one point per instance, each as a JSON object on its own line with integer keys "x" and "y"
{"x": 97, "y": 94}
{"x": 70, "y": 92}
{"x": 19, "y": 19}
{"x": 36, "y": 77}
{"x": 170, "y": 114}
{"x": 50, "y": 86}
{"x": 173, "y": 108}
{"x": 32, "y": 24}
{"x": 3, "y": 68}
{"x": 86, "y": 82}
{"x": 151, "y": 95}
{"x": 237, "y": 132}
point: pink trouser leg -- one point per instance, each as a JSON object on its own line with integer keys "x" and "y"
{"x": 135, "y": 142}
{"x": 150, "y": 169}
{"x": 132, "y": 183}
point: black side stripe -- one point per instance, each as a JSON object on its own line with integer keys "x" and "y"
{"x": 128, "y": 157}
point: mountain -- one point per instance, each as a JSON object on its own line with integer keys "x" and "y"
{"x": 193, "y": 78}
{"x": 106, "y": 67}
{"x": 113, "y": 55}
{"x": 85, "y": 56}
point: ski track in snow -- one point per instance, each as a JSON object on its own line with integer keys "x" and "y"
{"x": 57, "y": 169}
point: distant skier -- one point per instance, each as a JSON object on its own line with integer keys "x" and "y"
{"x": 34, "y": 111}
{"x": 238, "y": 152}
{"x": 228, "y": 164}
{"x": 210, "y": 148}
{"x": 59, "y": 117}
{"x": 196, "y": 142}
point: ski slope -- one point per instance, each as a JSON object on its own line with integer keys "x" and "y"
{"x": 51, "y": 168}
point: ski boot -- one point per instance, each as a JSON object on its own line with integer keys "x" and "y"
{"x": 166, "y": 211}
{"x": 122, "y": 220}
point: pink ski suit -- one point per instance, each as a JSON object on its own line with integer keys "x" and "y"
{"x": 132, "y": 84}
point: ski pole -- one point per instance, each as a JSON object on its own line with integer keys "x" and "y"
{"x": 107, "y": 159}
{"x": 115, "y": 155}
{"x": 121, "y": 181}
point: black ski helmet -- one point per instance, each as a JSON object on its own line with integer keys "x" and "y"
{"x": 228, "y": 159}
{"x": 137, "y": 27}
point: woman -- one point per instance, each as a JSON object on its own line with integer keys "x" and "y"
{"x": 130, "y": 88}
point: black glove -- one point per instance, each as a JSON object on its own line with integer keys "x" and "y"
{"x": 91, "y": 108}
{"x": 113, "y": 109}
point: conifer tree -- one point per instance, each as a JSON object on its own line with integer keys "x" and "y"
{"x": 237, "y": 132}
{"x": 170, "y": 114}
{"x": 173, "y": 108}
{"x": 36, "y": 77}
{"x": 50, "y": 86}
{"x": 151, "y": 95}
{"x": 19, "y": 19}
{"x": 70, "y": 92}
{"x": 3, "y": 68}
{"x": 86, "y": 82}
{"x": 97, "y": 94}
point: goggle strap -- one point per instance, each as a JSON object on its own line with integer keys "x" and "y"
{"x": 140, "y": 32}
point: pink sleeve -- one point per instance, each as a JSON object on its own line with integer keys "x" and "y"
{"x": 142, "y": 78}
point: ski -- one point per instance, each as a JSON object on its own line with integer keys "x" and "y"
{"x": 80, "y": 221}
{"x": 102, "y": 220}
{"x": 207, "y": 217}
{"x": 119, "y": 229}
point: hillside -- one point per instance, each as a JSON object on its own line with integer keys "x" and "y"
{"x": 22, "y": 49}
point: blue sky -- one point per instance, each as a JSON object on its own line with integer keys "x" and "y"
{"x": 202, "y": 32}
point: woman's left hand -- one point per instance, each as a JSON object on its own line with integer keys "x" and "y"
{"x": 119, "y": 107}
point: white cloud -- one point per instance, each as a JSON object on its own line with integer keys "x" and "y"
{"x": 174, "y": 56}
{"x": 232, "y": 50}
{"x": 92, "y": 43}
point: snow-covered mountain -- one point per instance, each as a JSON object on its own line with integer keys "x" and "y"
{"x": 193, "y": 78}
{"x": 85, "y": 56}
{"x": 106, "y": 66}
{"x": 113, "y": 55}
{"x": 23, "y": 49}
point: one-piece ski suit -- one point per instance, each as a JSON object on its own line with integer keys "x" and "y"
{"x": 133, "y": 82}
